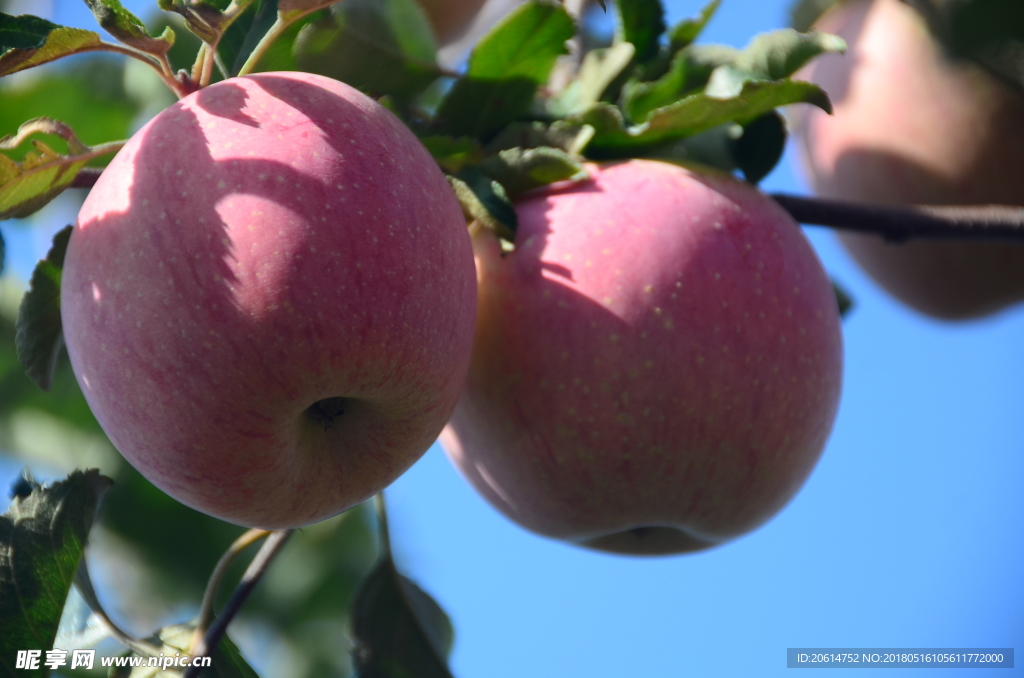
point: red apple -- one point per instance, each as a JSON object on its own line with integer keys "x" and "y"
{"x": 269, "y": 299}
{"x": 911, "y": 126}
{"x": 657, "y": 364}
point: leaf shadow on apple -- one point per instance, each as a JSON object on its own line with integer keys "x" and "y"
{"x": 241, "y": 348}
{"x": 626, "y": 391}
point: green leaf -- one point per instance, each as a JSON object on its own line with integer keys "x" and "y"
{"x": 571, "y": 137}
{"x": 843, "y": 299}
{"x": 519, "y": 170}
{"x": 27, "y": 41}
{"x": 43, "y": 174}
{"x": 399, "y": 630}
{"x": 761, "y": 146}
{"x": 39, "y": 334}
{"x": 485, "y": 200}
{"x": 641, "y": 22}
{"x": 688, "y": 30}
{"x": 803, "y": 13}
{"x": 3, "y": 253}
{"x": 691, "y": 115}
{"x": 770, "y": 56}
{"x": 688, "y": 72}
{"x": 127, "y": 27}
{"x": 600, "y": 68}
{"x": 989, "y": 32}
{"x": 42, "y": 538}
{"x": 384, "y": 47}
{"x": 225, "y": 662}
{"x": 505, "y": 70}
{"x": 452, "y": 154}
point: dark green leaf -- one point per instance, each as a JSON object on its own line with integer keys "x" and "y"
{"x": 27, "y": 41}
{"x": 264, "y": 16}
{"x": 127, "y": 27}
{"x": 378, "y": 46}
{"x": 505, "y": 69}
{"x": 225, "y": 662}
{"x": 641, "y": 22}
{"x": 688, "y": 73}
{"x": 761, "y": 146}
{"x": 989, "y": 32}
{"x": 39, "y": 334}
{"x": 485, "y": 200}
{"x": 803, "y": 13}
{"x": 770, "y": 56}
{"x": 599, "y": 69}
{"x": 398, "y": 635}
{"x": 692, "y": 115}
{"x": 519, "y": 170}
{"x": 42, "y": 538}
{"x": 843, "y": 299}
{"x": 571, "y": 137}
{"x": 688, "y": 30}
{"x": 714, "y": 147}
{"x": 452, "y": 154}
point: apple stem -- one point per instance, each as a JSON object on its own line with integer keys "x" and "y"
{"x": 899, "y": 224}
{"x": 259, "y": 565}
{"x": 206, "y": 608}
{"x": 383, "y": 535}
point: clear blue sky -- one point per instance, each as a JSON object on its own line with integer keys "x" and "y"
{"x": 909, "y": 533}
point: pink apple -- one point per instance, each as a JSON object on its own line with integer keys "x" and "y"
{"x": 911, "y": 126}
{"x": 269, "y": 299}
{"x": 657, "y": 364}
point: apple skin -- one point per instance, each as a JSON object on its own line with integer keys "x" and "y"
{"x": 912, "y": 127}
{"x": 266, "y": 244}
{"x": 657, "y": 364}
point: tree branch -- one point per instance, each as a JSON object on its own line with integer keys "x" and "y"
{"x": 899, "y": 224}
{"x": 252, "y": 576}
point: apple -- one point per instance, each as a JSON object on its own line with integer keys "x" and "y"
{"x": 269, "y": 299}
{"x": 911, "y": 126}
{"x": 657, "y": 363}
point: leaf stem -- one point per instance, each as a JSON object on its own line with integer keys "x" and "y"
{"x": 84, "y": 584}
{"x": 899, "y": 224}
{"x": 259, "y": 565}
{"x": 383, "y": 532}
{"x": 247, "y": 539}
{"x": 150, "y": 61}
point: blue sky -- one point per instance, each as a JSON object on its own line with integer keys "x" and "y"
{"x": 908, "y": 533}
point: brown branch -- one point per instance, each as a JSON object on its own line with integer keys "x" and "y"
{"x": 252, "y": 576}
{"x": 899, "y": 224}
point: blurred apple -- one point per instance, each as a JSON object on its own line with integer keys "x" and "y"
{"x": 451, "y": 18}
{"x": 657, "y": 364}
{"x": 911, "y": 126}
{"x": 269, "y": 299}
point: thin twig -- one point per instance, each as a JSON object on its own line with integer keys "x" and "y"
{"x": 383, "y": 533}
{"x": 252, "y": 576}
{"x": 247, "y": 539}
{"x": 84, "y": 584}
{"x": 899, "y": 224}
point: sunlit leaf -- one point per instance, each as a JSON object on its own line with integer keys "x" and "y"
{"x": 27, "y": 41}
{"x": 641, "y": 22}
{"x": 127, "y": 27}
{"x": 688, "y": 30}
{"x": 485, "y": 200}
{"x": 519, "y": 170}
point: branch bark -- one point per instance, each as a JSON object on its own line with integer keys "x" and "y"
{"x": 899, "y": 224}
